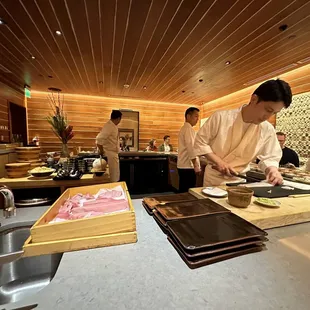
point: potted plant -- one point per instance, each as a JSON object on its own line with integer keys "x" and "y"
{"x": 59, "y": 122}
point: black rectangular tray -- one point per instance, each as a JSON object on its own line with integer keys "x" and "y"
{"x": 204, "y": 261}
{"x": 219, "y": 249}
{"x": 147, "y": 209}
{"x": 162, "y": 223}
{"x": 186, "y": 209}
{"x": 151, "y": 202}
{"x": 207, "y": 231}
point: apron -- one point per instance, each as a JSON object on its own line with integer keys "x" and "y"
{"x": 113, "y": 162}
{"x": 239, "y": 150}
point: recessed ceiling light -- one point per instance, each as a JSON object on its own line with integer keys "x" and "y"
{"x": 144, "y": 87}
{"x": 201, "y": 80}
{"x": 227, "y": 62}
{"x": 2, "y": 21}
{"x": 183, "y": 91}
{"x": 126, "y": 85}
{"x": 283, "y": 27}
{"x": 33, "y": 57}
{"x": 58, "y": 32}
{"x": 100, "y": 82}
{"x": 54, "y": 89}
{"x": 307, "y": 59}
{"x": 50, "y": 76}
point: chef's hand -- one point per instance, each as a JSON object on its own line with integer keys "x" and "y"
{"x": 224, "y": 168}
{"x": 273, "y": 176}
{"x": 197, "y": 170}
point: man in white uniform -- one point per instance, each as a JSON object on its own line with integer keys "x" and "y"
{"x": 188, "y": 168}
{"x": 230, "y": 140}
{"x": 108, "y": 143}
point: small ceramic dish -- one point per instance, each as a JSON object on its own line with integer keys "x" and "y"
{"x": 214, "y": 192}
{"x": 267, "y": 202}
{"x": 239, "y": 196}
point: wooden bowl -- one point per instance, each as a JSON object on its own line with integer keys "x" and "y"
{"x": 239, "y": 197}
{"x": 17, "y": 170}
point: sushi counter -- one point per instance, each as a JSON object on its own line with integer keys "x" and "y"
{"x": 151, "y": 275}
{"x": 292, "y": 210}
{"x": 143, "y": 172}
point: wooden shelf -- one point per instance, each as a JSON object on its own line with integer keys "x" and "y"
{"x": 31, "y": 182}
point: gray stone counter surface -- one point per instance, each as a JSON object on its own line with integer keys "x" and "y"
{"x": 151, "y": 275}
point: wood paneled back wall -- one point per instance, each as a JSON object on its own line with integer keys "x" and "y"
{"x": 87, "y": 115}
{"x": 299, "y": 80}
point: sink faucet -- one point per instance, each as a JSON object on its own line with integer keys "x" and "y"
{"x": 9, "y": 208}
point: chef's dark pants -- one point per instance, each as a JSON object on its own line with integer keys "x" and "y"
{"x": 187, "y": 179}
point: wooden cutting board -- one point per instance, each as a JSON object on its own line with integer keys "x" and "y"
{"x": 291, "y": 210}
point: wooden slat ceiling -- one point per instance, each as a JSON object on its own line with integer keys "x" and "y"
{"x": 165, "y": 45}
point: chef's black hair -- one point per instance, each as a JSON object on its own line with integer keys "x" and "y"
{"x": 165, "y": 137}
{"x": 276, "y": 91}
{"x": 116, "y": 114}
{"x": 191, "y": 110}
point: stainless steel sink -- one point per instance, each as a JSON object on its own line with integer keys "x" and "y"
{"x": 24, "y": 276}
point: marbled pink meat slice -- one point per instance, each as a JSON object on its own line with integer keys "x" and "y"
{"x": 66, "y": 207}
{"x": 101, "y": 205}
{"x": 110, "y": 194}
{"x": 84, "y": 206}
{"x": 89, "y": 196}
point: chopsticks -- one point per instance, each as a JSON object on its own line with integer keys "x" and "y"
{"x": 299, "y": 196}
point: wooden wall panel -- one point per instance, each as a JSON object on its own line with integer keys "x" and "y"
{"x": 87, "y": 115}
{"x": 299, "y": 79}
{"x": 7, "y": 94}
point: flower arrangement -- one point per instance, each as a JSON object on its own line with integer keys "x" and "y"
{"x": 59, "y": 122}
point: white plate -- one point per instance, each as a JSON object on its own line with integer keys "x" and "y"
{"x": 214, "y": 192}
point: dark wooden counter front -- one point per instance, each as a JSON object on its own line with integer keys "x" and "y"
{"x": 145, "y": 172}
{"x": 151, "y": 172}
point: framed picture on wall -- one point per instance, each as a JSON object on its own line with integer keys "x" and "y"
{"x": 128, "y": 134}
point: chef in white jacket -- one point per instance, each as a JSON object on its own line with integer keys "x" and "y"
{"x": 230, "y": 140}
{"x": 187, "y": 168}
{"x": 108, "y": 143}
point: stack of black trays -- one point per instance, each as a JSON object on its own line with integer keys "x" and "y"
{"x": 204, "y": 232}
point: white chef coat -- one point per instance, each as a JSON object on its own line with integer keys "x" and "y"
{"x": 186, "y": 146}
{"x": 237, "y": 143}
{"x": 108, "y": 138}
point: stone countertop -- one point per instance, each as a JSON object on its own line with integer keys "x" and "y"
{"x": 151, "y": 275}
